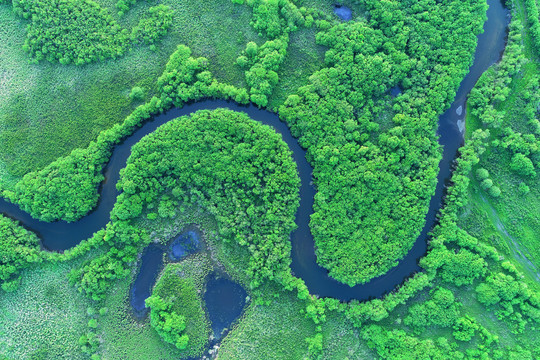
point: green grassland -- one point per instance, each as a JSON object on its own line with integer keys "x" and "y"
{"x": 45, "y": 317}
{"x": 125, "y": 337}
{"x": 273, "y": 331}
{"x": 510, "y": 222}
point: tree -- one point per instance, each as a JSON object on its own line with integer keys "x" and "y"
{"x": 482, "y": 174}
{"x": 251, "y": 49}
{"x": 494, "y": 191}
{"x": 464, "y": 328}
{"x": 486, "y": 184}
{"x": 441, "y": 310}
{"x": 522, "y": 165}
{"x": 167, "y": 323}
{"x": 523, "y": 188}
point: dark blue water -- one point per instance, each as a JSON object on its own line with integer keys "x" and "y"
{"x": 184, "y": 244}
{"x": 151, "y": 266}
{"x": 62, "y": 235}
{"x": 395, "y": 91}
{"x": 343, "y": 12}
{"x": 225, "y": 301}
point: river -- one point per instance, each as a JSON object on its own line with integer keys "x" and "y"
{"x": 60, "y": 235}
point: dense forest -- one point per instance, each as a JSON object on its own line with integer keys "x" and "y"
{"x": 237, "y": 169}
{"x": 56, "y": 30}
{"x": 375, "y": 179}
{"x": 365, "y": 105}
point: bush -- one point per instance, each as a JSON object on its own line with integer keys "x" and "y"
{"x": 18, "y": 249}
{"x": 522, "y": 165}
{"x": 482, "y": 174}
{"x": 494, "y": 191}
{"x": 523, "y": 188}
{"x": 464, "y": 328}
{"x": 137, "y": 93}
{"x": 486, "y": 184}
{"x": 167, "y": 323}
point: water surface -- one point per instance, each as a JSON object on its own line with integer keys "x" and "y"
{"x": 343, "y": 12}
{"x": 225, "y": 301}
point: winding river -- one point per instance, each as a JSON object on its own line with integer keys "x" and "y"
{"x": 60, "y": 235}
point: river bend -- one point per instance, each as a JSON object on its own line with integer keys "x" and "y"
{"x": 61, "y": 235}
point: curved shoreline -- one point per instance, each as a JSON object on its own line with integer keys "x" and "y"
{"x": 61, "y": 235}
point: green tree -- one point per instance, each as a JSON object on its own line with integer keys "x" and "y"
{"x": 522, "y": 165}
{"x": 482, "y": 174}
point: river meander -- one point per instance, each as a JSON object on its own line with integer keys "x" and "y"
{"x": 61, "y": 235}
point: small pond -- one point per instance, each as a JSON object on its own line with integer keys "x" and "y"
{"x": 395, "y": 91}
{"x": 186, "y": 243}
{"x": 151, "y": 265}
{"x": 225, "y": 301}
{"x": 343, "y": 12}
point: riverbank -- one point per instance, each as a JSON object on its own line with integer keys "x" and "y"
{"x": 510, "y": 221}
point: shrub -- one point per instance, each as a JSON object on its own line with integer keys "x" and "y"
{"x": 482, "y": 174}
{"x": 523, "y": 188}
{"x": 486, "y": 184}
{"x": 494, "y": 191}
{"x": 137, "y": 93}
{"x": 522, "y": 165}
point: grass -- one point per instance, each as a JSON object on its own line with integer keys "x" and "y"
{"x": 341, "y": 340}
{"x": 46, "y": 110}
{"x": 511, "y": 222}
{"x": 470, "y": 306}
{"x": 278, "y": 330}
{"x": 124, "y": 337}
{"x": 45, "y": 317}
{"x": 304, "y": 57}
